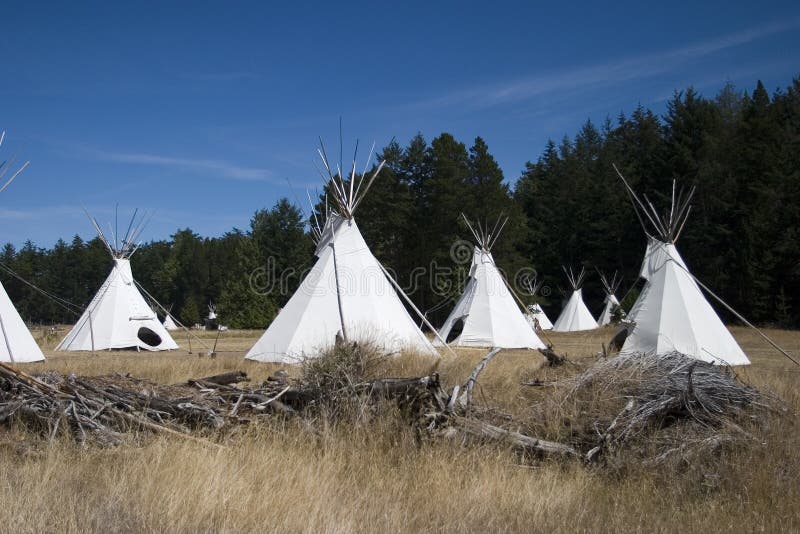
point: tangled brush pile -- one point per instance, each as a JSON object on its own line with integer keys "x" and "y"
{"x": 655, "y": 409}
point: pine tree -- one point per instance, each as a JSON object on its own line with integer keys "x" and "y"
{"x": 491, "y": 197}
{"x": 190, "y": 311}
{"x": 282, "y": 244}
{"x": 184, "y": 276}
{"x": 386, "y": 213}
{"x": 247, "y": 299}
{"x": 443, "y": 196}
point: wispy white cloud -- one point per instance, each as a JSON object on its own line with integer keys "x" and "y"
{"x": 40, "y": 213}
{"x": 713, "y": 81}
{"x": 605, "y": 74}
{"x": 6, "y": 214}
{"x": 221, "y": 168}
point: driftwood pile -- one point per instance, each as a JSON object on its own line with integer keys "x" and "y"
{"x": 106, "y": 410}
{"x": 639, "y": 396}
{"x": 671, "y": 405}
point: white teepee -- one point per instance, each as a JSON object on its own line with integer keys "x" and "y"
{"x": 575, "y": 316}
{"x": 169, "y": 323}
{"x": 347, "y": 294}
{"x": 535, "y": 314}
{"x": 118, "y": 316}
{"x": 610, "y": 286}
{"x": 671, "y": 313}
{"x": 16, "y": 342}
{"x": 487, "y": 315}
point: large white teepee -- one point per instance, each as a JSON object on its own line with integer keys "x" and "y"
{"x": 347, "y": 295}
{"x": 575, "y": 316}
{"x": 611, "y": 286}
{"x": 118, "y": 316}
{"x": 487, "y": 315}
{"x": 671, "y": 313}
{"x": 535, "y": 314}
{"x": 16, "y": 342}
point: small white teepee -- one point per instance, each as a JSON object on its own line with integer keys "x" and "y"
{"x": 118, "y": 316}
{"x": 16, "y": 342}
{"x": 487, "y": 315}
{"x": 575, "y": 316}
{"x": 610, "y": 286}
{"x": 169, "y": 323}
{"x": 347, "y": 295}
{"x": 671, "y": 313}
{"x": 535, "y": 314}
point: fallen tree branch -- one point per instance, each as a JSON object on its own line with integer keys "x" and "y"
{"x": 469, "y": 385}
{"x": 518, "y": 441}
{"x": 224, "y": 379}
{"x": 553, "y": 359}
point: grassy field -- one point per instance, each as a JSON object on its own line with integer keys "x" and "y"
{"x": 285, "y": 476}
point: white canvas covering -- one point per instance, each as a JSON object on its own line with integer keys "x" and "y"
{"x": 488, "y": 312}
{"x": 535, "y": 312}
{"x": 672, "y": 314}
{"x": 169, "y": 324}
{"x": 575, "y": 316}
{"x": 608, "y": 310}
{"x": 117, "y": 318}
{"x": 16, "y": 342}
{"x": 371, "y": 308}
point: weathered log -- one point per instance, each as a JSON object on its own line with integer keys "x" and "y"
{"x": 536, "y": 382}
{"x": 224, "y": 379}
{"x": 400, "y": 387}
{"x": 553, "y": 359}
{"x": 518, "y": 441}
{"x": 466, "y": 396}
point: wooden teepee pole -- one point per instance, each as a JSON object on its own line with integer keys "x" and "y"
{"x": 338, "y": 284}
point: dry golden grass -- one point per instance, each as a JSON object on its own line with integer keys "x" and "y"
{"x": 290, "y": 477}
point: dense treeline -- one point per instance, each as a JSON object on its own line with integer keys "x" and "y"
{"x": 741, "y": 151}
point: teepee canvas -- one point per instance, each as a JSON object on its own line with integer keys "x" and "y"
{"x": 347, "y": 295}
{"x": 537, "y": 318}
{"x": 118, "y": 316}
{"x": 575, "y": 316}
{"x": 611, "y": 303}
{"x": 535, "y": 314}
{"x": 169, "y": 323}
{"x": 16, "y": 342}
{"x": 671, "y": 313}
{"x": 487, "y": 315}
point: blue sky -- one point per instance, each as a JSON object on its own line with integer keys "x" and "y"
{"x": 203, "y": 111}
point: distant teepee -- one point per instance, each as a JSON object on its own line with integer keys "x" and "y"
{"x": 347, "y": 295}
{"x": 16, "y": 342}
{"x": 611, "y": 303}
{"x": 118, "y": 316}
{"x": 169, "y": 323}
{"x": 535, "y": 314}
{"x": 575, "y": 316}
{"x": 487, "y": 315}
{"x": 671, "y": 313}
